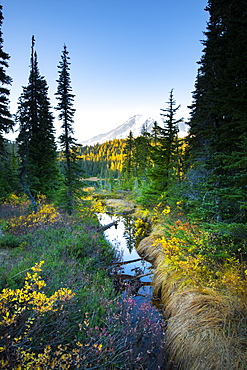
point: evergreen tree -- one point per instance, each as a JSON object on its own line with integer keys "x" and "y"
{"x": 169, "y": 141}
{"x": 128, "y": 162}
{"x": 218, "y": 124}
{"x": 36, "y": 141}
{"x": 65, "y": 99}
{"x": 6, "y": 123}
{"x": 142, "y": 154}
{"x": 128, "y": 165}
{"x": 165, "y": 154}
{"x": 9, "y": 180}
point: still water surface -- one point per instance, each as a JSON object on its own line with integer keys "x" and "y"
{"x": 124, "y": 241}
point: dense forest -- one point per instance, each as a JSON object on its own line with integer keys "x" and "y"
{"x": 200, "y": 178}
{"x": 102, "y": 160}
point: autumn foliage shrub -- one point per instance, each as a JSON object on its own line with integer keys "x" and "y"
{"x": 20, "y": 311}
{"x": 128, "y": 337}
{"x": 47, "y": 214}
{"x": 189, "y": 251}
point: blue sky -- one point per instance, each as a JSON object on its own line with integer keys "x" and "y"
{"x": 126, "y": 55}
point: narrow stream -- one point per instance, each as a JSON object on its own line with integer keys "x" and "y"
{"x": 122, "y": 238}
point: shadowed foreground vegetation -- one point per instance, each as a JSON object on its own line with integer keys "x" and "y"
{"x": 58, "y": 306}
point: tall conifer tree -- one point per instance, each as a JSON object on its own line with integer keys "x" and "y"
{"x": 66, "y": 110}
{"x": 36, "y": 140}
{"x": 128, "y": 169}
{"x": 128, "y": 152}
{"x": 6, "y": 123}
{"x": 142, "y": 149}
{"x": 218, "y": 124}
{"x": 164, "y": 154}
{"x": 168, "y": 138}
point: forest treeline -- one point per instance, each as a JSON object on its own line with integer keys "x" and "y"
{"x": 102, "y": 160}
{"x": 205, "y": 172}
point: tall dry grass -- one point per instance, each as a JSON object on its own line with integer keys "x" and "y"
{"x": 150, "y": 250}
{"x": 206, "y": 328}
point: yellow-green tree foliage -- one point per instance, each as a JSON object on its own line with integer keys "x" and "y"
{"x": 101, "y": 159}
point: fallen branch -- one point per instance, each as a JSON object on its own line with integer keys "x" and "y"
{"x": 105, "y": 227}
{"x": 121, "y": 213}
{"x": 131, "y": 277}
{"x": 126, "y": 262}
{"x": 140, "y": 276}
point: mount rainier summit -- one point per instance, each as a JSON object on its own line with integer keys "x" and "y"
{"x": 133, "y": 124}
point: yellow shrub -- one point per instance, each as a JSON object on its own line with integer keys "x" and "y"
{"x": 46, "y": 214}
{"x": 186, "y": 249}
{"x": 31, "y": 302}
{"x": 15, "y": 200}
{"x": 232, "y": 277}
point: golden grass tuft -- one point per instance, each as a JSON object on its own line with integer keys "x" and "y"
{"x": 201, "y": 334}
{"x": 150, "y": 250}
{"x": 205, "y": 330}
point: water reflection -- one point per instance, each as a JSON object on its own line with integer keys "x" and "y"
{"x": 124, "y": 241}
{"x": 129, "y": 233}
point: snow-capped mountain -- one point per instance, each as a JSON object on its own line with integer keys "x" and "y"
{"x": 133, "y": 124}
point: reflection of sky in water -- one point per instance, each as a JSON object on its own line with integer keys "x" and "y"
{"x": 117, "y": 237}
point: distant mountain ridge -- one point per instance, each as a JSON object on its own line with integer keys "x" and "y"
{"x": 133, "y": 124}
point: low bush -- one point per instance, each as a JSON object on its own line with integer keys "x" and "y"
{"x": 9, "y": 241}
